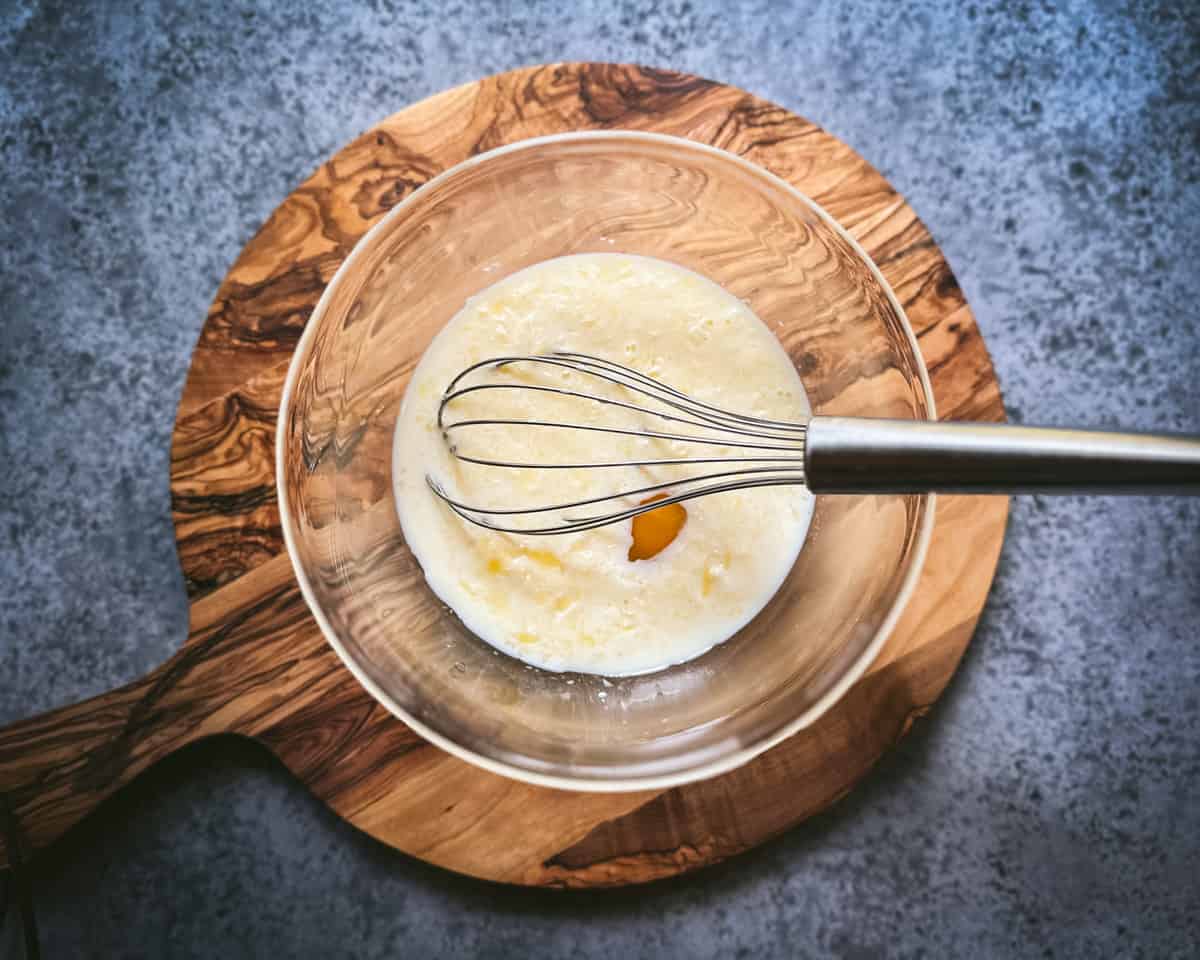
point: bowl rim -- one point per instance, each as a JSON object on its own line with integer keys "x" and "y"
{"x": 626, "y": 784}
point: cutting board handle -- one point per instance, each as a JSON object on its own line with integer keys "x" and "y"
{"x": 245, "y": 657}
{"x": 57, "y": 767}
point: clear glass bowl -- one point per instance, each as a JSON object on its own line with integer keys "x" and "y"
{"x": 490, "y": 216}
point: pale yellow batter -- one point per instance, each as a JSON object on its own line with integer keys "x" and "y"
{"x": 578, "y": 602}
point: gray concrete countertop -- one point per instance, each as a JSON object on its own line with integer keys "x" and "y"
{"x": 1047, "y": 805}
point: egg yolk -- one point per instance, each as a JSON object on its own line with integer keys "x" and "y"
{"x": 654, "y": 530}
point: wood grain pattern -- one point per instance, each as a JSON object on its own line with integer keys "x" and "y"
{"x": 254, "y": 662}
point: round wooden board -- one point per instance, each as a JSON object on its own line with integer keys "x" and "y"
{"x": 255, "y": 663}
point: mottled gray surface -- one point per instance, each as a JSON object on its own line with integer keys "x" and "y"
{"x": 1047, "y": 805}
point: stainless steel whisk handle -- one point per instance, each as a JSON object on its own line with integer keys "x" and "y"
{"x": 862, "y": 455}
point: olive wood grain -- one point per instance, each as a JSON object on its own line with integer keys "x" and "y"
{"x": 254, "y": 662}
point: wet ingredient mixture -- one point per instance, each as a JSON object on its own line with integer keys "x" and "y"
{"x": 631, "y": 597}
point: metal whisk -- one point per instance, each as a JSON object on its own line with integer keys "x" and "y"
{"x": 826, "y": 454}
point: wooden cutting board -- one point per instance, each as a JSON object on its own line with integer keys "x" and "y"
{"x": 254, "y": 662}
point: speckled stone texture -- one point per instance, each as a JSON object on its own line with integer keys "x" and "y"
{"x": 1047, "y": 806}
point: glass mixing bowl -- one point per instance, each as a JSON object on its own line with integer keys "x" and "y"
{"x": 639, "y": 193}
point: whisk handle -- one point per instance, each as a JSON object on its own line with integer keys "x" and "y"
{"x": 862, "y": 455}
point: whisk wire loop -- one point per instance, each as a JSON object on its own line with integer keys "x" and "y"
{"x": 781, "y": 442}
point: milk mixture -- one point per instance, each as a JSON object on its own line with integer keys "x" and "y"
{"x": 637, "y": 595}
